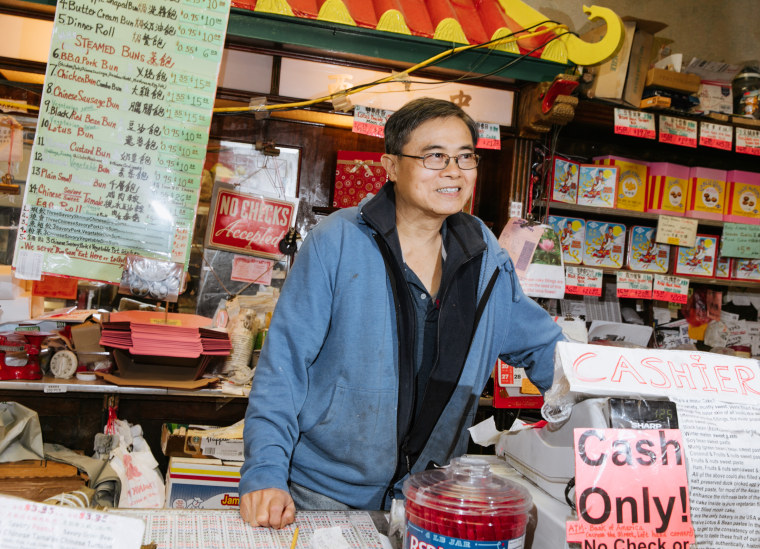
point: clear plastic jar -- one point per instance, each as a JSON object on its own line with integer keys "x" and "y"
{"x": 464, "y": 502}
{"x": 746, "y": 92}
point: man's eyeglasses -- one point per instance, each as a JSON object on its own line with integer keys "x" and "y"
{"x": 439, "y": 161}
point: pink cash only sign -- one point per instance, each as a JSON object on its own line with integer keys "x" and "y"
{"x": 630, "y": 490}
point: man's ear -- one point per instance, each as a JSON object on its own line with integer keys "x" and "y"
{"x": 389, "y": 163}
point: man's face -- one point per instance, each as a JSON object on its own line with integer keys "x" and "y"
{"x": 434, "y": 194}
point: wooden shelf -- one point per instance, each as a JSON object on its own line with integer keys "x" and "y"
{"x": 639, "y": 216}
{"x": 691, "y": 279}
{"x": 618, "y": 213}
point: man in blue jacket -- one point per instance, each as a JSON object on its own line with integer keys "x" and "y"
{"x": 385, "y": 333}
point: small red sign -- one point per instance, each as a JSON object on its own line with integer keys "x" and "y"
{"x": 248, "y": 224}
{"x": 60, "y": 287}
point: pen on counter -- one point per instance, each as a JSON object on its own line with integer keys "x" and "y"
{"x": 295, "y": 539}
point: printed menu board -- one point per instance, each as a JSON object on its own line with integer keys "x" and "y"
{"x": 121, "y": 136}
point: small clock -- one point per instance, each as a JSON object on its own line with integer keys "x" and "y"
{"x": 63, "y": 364}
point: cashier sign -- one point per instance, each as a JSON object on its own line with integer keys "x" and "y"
{"x": 248, "y": 224}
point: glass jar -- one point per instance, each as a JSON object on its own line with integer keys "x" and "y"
{"x": 746, "y": 92}
{"x": 464, "y": 505}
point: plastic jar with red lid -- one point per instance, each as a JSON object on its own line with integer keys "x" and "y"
{"x": 465, "y": 505}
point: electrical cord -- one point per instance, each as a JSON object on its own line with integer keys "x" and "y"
{"x": 431, "y": 61}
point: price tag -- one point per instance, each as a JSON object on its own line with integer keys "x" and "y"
{"x": 489, "y": 136}
{"x": 748, "y": 141}
{"x": 678, "y": 231}
{"x": 515, "y": 209}
{"x": 670, "y": 288}
{"x": 716, "y": 136}
{"x": 583, "y": 281}
{"x": 678, "y": 131}
{"x": 370, "y": 120}
{"x": 54, "y": 388}
{"x": 634, "y": 285}
{"x": 740, "y": 240}
{"x": 635, "y": 123}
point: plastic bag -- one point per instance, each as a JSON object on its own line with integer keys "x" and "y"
{"x": 20, "y": 433}
{"x": 141, "y": 483}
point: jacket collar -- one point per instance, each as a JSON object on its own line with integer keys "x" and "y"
{"x": 461, "y": 231}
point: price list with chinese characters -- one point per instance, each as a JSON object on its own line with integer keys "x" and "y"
{"x": 583, "y": 281}
{"x": 29, "y": 524}
{"x": 634, "y": 285}
{"x": 678, "y": 131}
{"x": 121, "y": 136}
{"x": 670, "y": 288}
{"x": 635, "y": 123}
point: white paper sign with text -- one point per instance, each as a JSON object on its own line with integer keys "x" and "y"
{"x": 616, "y": 371}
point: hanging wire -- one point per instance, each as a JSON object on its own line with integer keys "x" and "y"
{"x": 434, "y": 60}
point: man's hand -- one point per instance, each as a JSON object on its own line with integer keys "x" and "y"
{"x": 272, "y": 507}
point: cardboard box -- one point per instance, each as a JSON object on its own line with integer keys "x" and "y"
{"x": 38, "y": 480}
{"x": 572, "y": 235}
{"x": 644, "y": 254}
{"x": 202, "y": 484}
{"x": 632, "y": 182}
{"x": 605, "y": 244}
{"x": 597, "y": 185}
{"x": 199, "y": 441}
{"x": 745, "y": 269}
{"x": 742, "y": 197}
{"x": 699, "y": 260}
{"x": 655, "y": 102}
{"x": 715, "y": 97}
{"x": 565, "y": 180}
{"x": 671, "y": 80}
{"x": 668, "y": 188}
{"x": 622, "y": 78}
{"x": 707, "y": 193}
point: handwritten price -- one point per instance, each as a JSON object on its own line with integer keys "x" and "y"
{"x": 668, "y": 296}
{"x": 635, "y": 132}
{"x": 581, "y": 290}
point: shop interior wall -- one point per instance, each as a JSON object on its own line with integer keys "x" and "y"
{"x": 319, "y": 145}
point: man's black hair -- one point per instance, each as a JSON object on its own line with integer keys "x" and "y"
{"x": 408, "y": 118}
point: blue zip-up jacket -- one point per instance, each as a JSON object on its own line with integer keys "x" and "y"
{"x": 331, "y": 402}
